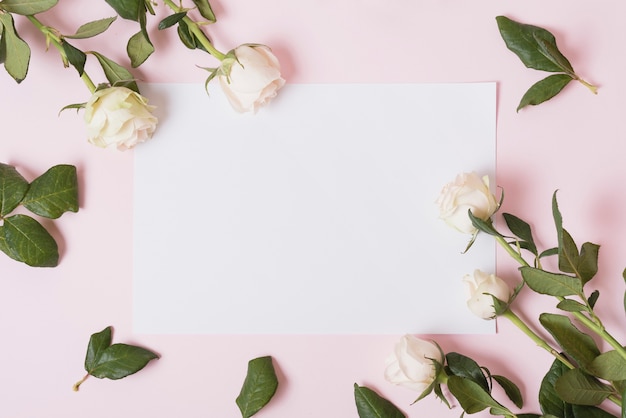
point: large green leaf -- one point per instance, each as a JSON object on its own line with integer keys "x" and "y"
{"x": 473, "y": 397}
{"x": 54, "y": 192}
{"x": 549, "y": 400}
{"x": 30, "y": 242}
{"x": 466, "y": 367}
{"x": 576, "y": 344}
{"x": 577, "y": 387}
{"x": 585, "y": 411}
{"x": 27, "y": 7}
{"x": 92, "y": 29}
{"x": 16, "y": 52}
{"x": 116, "y": 361}
{"x": 535, "y": 46}
{"x": 258, "y": 387}
{"x": 552, "y": 284}
{"x": 139, "y": 48}
{"x": 116, "y": 73}
{"x": 204, "y": 7}
{"x": 544, "y": 90}
{"x": 609, "y": 366}
{"x": 128, "y": 9}
{"x": 13, "y": 188}
{"x": 370, "y": 404}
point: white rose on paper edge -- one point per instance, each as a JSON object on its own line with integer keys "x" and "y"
{"x": 411, "y": 364}
{"x": 250, "y": 77}
{"x": 118, "y": 116}
{"x": 481, "y": 286}
{"x": 467, "y": 192}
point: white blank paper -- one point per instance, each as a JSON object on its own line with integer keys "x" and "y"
{"x": 314, "y": 216}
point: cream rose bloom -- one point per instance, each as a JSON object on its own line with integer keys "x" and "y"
{"x": 466, "y": 192}
{"x": 481, "y": 286}
{"x": 119, "y": 116}
{"x": 250, "y": 77}
{"x": 411, "y": 363}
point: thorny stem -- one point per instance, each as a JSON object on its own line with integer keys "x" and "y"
{"x": 53, "y": 37}
{"x": 196, "y": 31}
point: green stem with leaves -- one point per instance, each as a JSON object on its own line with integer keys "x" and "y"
{"x": 53, "y": 36}
{"x": 194, "y": 28}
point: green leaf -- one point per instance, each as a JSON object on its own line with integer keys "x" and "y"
{"x": 15, "y": 51}
{"x": 535, "y": 46}
{"x": 466, "y": 367}
{"x": 13, "y": 188}
{"x": 511, "y": 390}
{"x": 549, "y": 400}
{"x": 116, "y": 361}
{"x": 139, "y": 48}
{"x": 115, "y": 73}
{"x": 549, "y": 252}
{"x": 570, "y": 305}
{"x": 522, "y": 230}
{"x": 588, "y": 262}
{"x": 128, "y": 9}
{"x": 30, "y": 242}
{"x": 6, "y": 249}
{"x": 171, "y": 20}
{"x": 473, "y": 397}
{"x": 609, "y": 366}
{"x": 584, "y": 411}
{"x": 484, "y": 226}
{"x": 593, "y": 298}
{"x": 258, "y": 387}
{"x": 576, "y": 344}
{"x": 544, "y": 90}
{"x": 370, "y": 404}
{"x": 91, "y": 29}
{"x": 54, "y": 192}
{"x": 577, "y": 387}
{"x": 27, "y": 7}
{"x": 205, "y": 10}
{"x": 569, "y": 256}
{"x": 75, "y": 56}
{"x": 185, "y": 35}
{"x": 552, "y": 284}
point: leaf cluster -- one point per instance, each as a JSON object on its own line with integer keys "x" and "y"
{"x": 50, "y": 195}
{"x": 536, "y": 48}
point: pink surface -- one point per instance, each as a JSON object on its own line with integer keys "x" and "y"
{"x": 573, "y": 143}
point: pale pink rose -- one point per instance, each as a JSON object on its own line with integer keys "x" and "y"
{"x": 118, "y": 116}
{"x": 411, "y": 364}
{"x": 481, "y": 289}
{"x": 466, "y": 192}
{"x": 250, "y": 77}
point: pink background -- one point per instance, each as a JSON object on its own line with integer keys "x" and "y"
{"x": 573, "y": 143}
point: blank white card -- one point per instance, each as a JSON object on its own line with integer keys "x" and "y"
{"x": 315, "y": 215}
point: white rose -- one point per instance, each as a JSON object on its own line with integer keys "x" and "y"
{"x": 118, "y": 116}
{"x": 481, "y": 287}
{"x": 466, "y": 192}
{"x": 250, "y": 77}
{"x": 411, "y": 363}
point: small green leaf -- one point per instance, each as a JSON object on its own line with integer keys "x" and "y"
{"x": 609, "y": 366}
{"x": 115, "y": 73}
{"x": 484, "y": 226}
{"x": 16, "y": 52}
{"x": 511, "y": 390}
{"x": 552, "y": 284}
{"x": 205, "y": 10}
{"x": 91, "y": 29}
{"x": 593, "y": 298}
{"x": 28, "y": 7}
{"x": 549, "y": 252}
{"x": 186, "y": 37}
{"x": 139, "y": 48}
{"x": 258, "y": 387}
{"x": 576, "y": 344}
{"x": 54, "y": 192}
{"x": 116, "y": 361}
{"x": 569, "y": 257}
{"x": 473, "y": 397}
{"x": 570, "y": 305}
{"x": 30, "y": 242}
{"x": 13, "y": 188}
{"x": 171, "y": 20}
{"x": 128, "y": 9}
{"x": 466, "y": 367}
{"x": 522, "y": 230}
{"x": 370, "y": 404}
{"x": 588, "y": 261}
{"x": 535, "y": 46}
{"x": 544, "y": 90}
{"x": 75, "y": 56}
{"x": 577, "y": 387}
